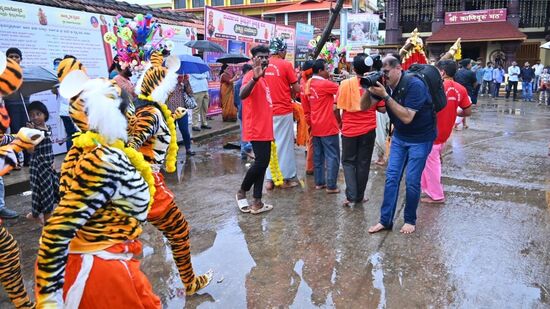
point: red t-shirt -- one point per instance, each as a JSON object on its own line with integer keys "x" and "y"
{"x": 279, "y": 76}
{"x": 319, "y": 107}
{"x": 257, "y": 114}
{"x": 360, "y": 122}
{"x": 457, "y": 96}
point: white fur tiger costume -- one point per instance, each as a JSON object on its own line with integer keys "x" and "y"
{"x": 152, "y": 132}
{"x": 87, "y": 248}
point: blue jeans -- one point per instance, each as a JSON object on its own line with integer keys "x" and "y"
{"x": 70, "y": 129}
{"x": 183, "y": 125}
{"x": 527, "y": 90}
{"x": 326, "y": 152}
{"x": 246, "y": 147}
{"x": 412, "y": 157}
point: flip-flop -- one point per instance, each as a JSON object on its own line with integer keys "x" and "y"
{"x": 264, "y": 208}
{"x": 242, "y": 204}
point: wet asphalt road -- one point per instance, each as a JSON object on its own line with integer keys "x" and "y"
{"x": 487, "y": 247}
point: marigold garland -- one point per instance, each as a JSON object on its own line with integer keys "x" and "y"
{"x": 276, "y": 173}
{"x": 92, "y": 139}
{"x": 171, "y": 156}
{"x": 172, "y": 153}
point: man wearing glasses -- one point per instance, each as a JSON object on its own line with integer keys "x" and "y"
{"x": 415, "y": 131}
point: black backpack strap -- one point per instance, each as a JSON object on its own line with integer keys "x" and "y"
{"x": 401, "y": 89}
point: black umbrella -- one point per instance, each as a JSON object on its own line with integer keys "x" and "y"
{"x": 204, "y": 45}
{"x": 233, "y": 59}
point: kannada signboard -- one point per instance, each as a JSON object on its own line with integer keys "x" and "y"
{"x": 44, "y": 33}
{"x": 469, "y": 17}
{"x": 304, "y": 34}
{"x": 289, "y": 34}
{"x": 229, "y": 26}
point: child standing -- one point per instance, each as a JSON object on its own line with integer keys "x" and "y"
{"x": 44, "y": 179}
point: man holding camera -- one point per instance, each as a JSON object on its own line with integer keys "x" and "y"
{"x": 415, "y": 130}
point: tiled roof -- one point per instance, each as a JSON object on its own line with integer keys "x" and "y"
{"x": 306, "y": 6}
{"x": 112, "y": 7}
{"x": 479, "y": 32}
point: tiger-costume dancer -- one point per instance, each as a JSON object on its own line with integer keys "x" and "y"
{"x": 152, "y": 132}
{"x": 87, "y": 248}
{"x": 10, "y": 266}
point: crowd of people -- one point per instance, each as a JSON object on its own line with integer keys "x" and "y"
{"x": 347, "y": 112}
{"x": 534, "y": 79}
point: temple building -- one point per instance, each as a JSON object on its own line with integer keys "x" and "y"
{"x": 493, "y": 30}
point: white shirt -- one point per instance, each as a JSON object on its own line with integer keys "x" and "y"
{"x": 513, "y": 70}
{"x": 199, "y": 82}
{"x": 63, "y": 106}
{"x": 538, "y": 69}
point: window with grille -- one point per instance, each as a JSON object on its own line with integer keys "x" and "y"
{"x": 257, "y": 1}
{"x": 217, "y": 3}
{"x": 198, "y": 3}
{"x": 237, "y": 2}
{"x": 180, "y": 4}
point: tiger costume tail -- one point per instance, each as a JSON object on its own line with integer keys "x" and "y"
{"x": 10, "y": 271}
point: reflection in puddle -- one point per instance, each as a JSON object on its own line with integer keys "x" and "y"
{"x": 378, "y": 278}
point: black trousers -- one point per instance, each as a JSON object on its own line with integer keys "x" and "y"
{"x": 512, "y": 86}
{"x": 255, "y": 175}
{"x": 356, "y": 158}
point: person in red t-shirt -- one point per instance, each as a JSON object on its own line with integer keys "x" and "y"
{"x": 283, "y": 84}
{"x": 457, "y": 96}
{"x": 323, "y": 118}
{"x": 307, "y": 73}
{"x": 358, "y": 137}
{"x": 257, "y": 127}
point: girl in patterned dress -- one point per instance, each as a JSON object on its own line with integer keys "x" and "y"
{"x": 44, "y": 179}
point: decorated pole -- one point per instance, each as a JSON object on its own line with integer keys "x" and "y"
{"x": 413, "y": 51}
{"x": 328, "y": 29}
{"x": 455, "y": 52}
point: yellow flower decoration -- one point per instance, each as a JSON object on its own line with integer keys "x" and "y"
{"x": 276, "y": 173}
{"x": 110, "y": 38}
{"x": 458, "y": 54}
{"x": 126, "y": 34}
{"x": 91, "y": 139}
{"x": 172, "y": 153}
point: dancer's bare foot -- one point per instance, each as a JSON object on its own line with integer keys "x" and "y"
{"x": 377, "y": 228}
{"x": 320, "y": 187}
{"x": 269, "y": 185}
{"x": 380, "y": 162}
{"x": 429, "y": 200}
{"x": 408, "y": 228}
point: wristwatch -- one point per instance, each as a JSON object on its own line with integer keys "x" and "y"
{"x": 386, "y": 98}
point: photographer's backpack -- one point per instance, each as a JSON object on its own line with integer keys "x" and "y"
{"x": 429, "y": 74}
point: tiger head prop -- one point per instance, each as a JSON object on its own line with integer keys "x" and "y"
{"x": 158, "y": 81}
{"x": 96, "y": 105}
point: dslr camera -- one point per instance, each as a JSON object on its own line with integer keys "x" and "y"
{"x": 375, "y": 74}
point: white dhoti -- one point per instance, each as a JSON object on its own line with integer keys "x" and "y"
{"x": 283, "y": 131}
{"x": 382, "y": 130}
